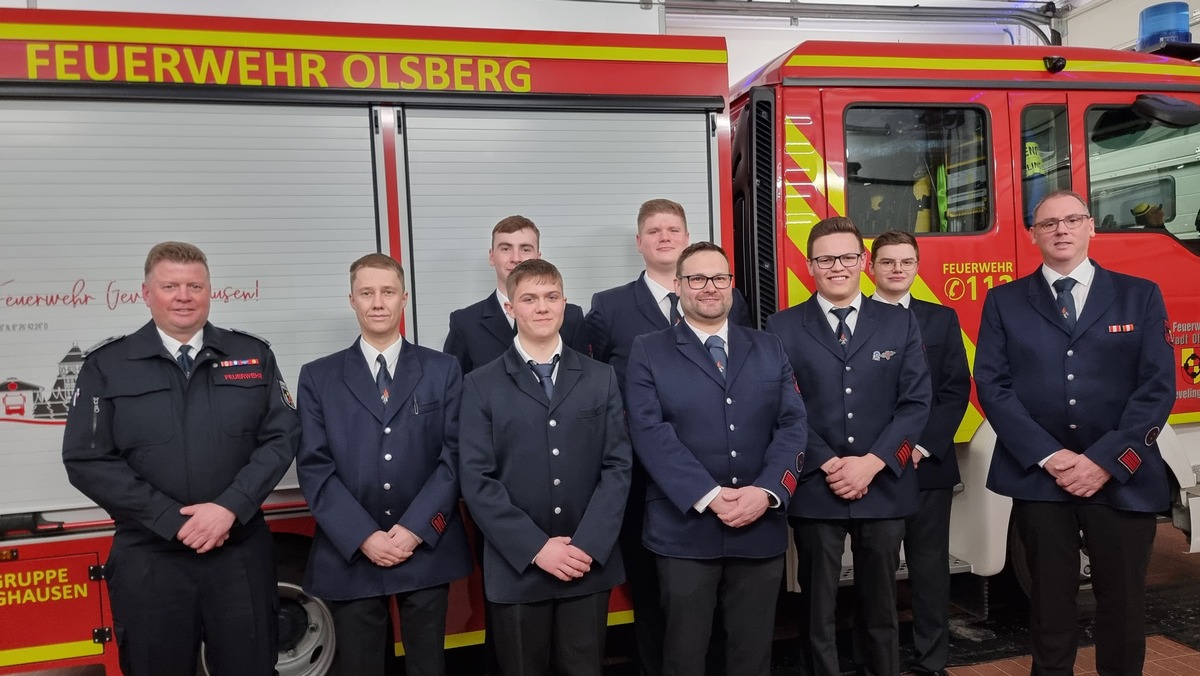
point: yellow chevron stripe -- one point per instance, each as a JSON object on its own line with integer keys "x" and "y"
{"x": 48, "y": 653}
{"x": 249, "y": 40}
{"x": 1010, "y": 65}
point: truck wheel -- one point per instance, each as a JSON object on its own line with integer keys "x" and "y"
{"x": 1016, "y": 561}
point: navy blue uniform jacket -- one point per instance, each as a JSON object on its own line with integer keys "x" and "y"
{"x": 951, "y": 380}
{"x": 480, "y": 333}
{"x": 142, "y": 440}
{"x": 623, "y": 313}
{"x": 874, "y": 400}
{"x": 693, "y": 430}
{"x": 533, "y": 469}
{"x": 1104, "y": 389}
{"x": 365, "y": 467}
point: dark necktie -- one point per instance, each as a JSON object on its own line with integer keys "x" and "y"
{"x": 184, "y": 359}
{"x": 673, "y": 299}
{"x": 545, "y": 375}
{"x": 1065, "y": 301}
{"x": 716, "y": 348}
{"x": 842, "y": 333}
{"x": 383, "y": 379}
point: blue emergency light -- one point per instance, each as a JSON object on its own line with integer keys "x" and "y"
{"x": 1164, "y": 22}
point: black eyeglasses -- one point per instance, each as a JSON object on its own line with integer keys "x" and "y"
{"x": 1051, "y": 224}
{"x": 826, "y": 262}
{"x": 698, "y": 282}
{"x": 905, "y": 264}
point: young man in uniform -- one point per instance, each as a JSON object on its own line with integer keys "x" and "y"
{"x": 895, "y": 261}
{"x": 378, "y": 465}
{"x": 860, "y": 368}
{"x": 545, "y": 463}
{"x": 180, "y": 431}
{"x": 483, "y": 331}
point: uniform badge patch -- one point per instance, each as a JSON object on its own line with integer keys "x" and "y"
{"x": 800, "y": 462}
{"x": 286, "y": 395}
{"x": 438, "y": 522}
{"x": 788, "y": 481}
{"x": 1152, "y": 436}
{"x": 904, "y": 453}
{"x": 1130, "y": 460}
{"x": 885, "y": 355}
{"x": 1167, "y": 331}
{"x": 1121, "y": 328}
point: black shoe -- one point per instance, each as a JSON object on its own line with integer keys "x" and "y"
{"x": 922, "y": 672}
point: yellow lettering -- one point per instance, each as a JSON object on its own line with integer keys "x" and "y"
{"x": 135, "y": 58}
{"x": 312, "y": 69}
{"x": 34, "y": 60}
{"x": 89, "y": 63}
{"x": 208, "y": 64}
{"x": 384, "y": 82}
{"x": 62, "y": 60}
{"x": 407, "y": 66}
{"x": 489, "y": 70}
{"x": 436, "y": 73}
{"x": 516, "y": 75}
{"x": 462, "y": 70}
{"x": 287, "y": 68}
{"x": 166, "y": 61}
{"x": 348, "y": 71}
{"x": 246, "y": 68}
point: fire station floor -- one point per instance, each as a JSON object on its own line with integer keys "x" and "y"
{"x": 996, "y": 644}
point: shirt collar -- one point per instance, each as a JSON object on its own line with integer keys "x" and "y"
{"x": 657, "y": 290}
{"x": 172, "y": 345}
{"x": 826, "y": 306}
{"x": 1082, "y": 274}
{"x": 525, "y": 355}
{"x": 390, "y": 353}
{"x": 722, "y": 332}
{"x": 904, "y": 301}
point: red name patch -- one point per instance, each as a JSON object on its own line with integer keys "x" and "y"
{"x": 1130, "y": 460}
{"x": 904, "y": 453}
{"x": 243, "y": 376}
{"x": 438, "y": 522}
{"x": 789, "y": 482}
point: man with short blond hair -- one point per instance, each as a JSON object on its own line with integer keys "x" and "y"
{"x": 378, "y": 465}
{"x": 180, "y": 431}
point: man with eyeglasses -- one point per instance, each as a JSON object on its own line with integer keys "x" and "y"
{"x": 717, "y": 422}
{"x": 1075, "y": 372}
{"x": 895, "y": 260}
{"x": 860, "y": 368}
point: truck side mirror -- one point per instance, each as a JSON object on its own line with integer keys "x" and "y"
{"x": 1166, "y": 111}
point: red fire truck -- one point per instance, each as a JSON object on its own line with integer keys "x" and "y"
{"x": 286, "y": 150}
{"x": 956, "y": 144}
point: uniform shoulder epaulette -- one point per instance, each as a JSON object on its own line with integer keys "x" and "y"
{"x": 256, "y": 337}
{"x": 97, "y": 346}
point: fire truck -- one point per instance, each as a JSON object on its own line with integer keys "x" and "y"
{"x": 286, "y": 150}
{"x": 956, "y": 144}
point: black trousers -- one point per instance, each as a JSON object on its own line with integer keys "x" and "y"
{"x": 876, "y": 548}
{"x": 1118, "y": 544}
{"x": 927, "y": 553}
{"x": 166, "y": 599}
{"x": 362, "y": 636}
{"x": 564, "y": 634}
{"x": 745, "y": 592}
{"x": 641, "y": 574}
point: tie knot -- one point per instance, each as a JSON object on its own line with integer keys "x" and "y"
{"x": 382, "y": 361}
{"x": 714, "y": 341}
{"x": 1064, "y": 284}
{"x": 543, "y": 371}
{"x": 184, "y": 350}
{"x": 841, "y": 312}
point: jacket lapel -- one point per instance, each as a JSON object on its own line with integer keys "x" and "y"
{"x": 1043, "y": 301}
{"x": 495, "y": 321}
{"x": 569, "y": 371}
{"x": 357, "y": 376}
{"x": 1099, "y": 298}
{"x": 864, "y": 326}
{"x": 647, "y": 305}
{"x": 818, "y": 327}
{"x": 404, "y": 381}
{"x": 688, "y": 343}
{"x": 524, "y": 377}
{"x": 739, "y": 353}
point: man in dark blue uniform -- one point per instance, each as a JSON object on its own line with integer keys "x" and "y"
{"x": 895, "y": 261}
{"x": 180, "y": 431}
{"x": 1076, "y": 374}
{"x": 378, "y": 465}
{"x": 865, "y": 383}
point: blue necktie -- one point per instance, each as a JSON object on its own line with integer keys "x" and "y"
{"x": 184, "y": 359}
{"x": 674, "y": 301}
{"x": 716, "y": 348}
{"x": 383, "y": 379}
{"x": 843, "y": 329}
{"x": 545, "y": 375}
{"x": 1065, "y": 301}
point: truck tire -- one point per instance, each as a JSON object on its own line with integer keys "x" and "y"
{"x": 307, "y": 642}
{"x": 1086, "y": 599}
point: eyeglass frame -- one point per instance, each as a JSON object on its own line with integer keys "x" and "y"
{"x": 854, "y": 258}
{"x": 1049, "y": 225}
{"x": 904, "y": 264}
{"x": 691, "y": 281}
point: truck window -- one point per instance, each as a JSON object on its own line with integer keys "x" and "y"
{"x": 919, "y": 169}
{"x": 1047, "y": 147}
{"x": 1143, "y": 176}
